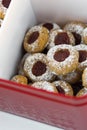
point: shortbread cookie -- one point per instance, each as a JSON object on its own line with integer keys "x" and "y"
{"x": 82, "y": 49}
{"x": 63, "y": 59}
{"x": 36, "y": 39}
{"x": 37, "y": 69}
{"x": 76, "y": 27}
{"x": 20, "y": 79}
{"x": 63, "y": 87}
{"x": 58, "y": 37}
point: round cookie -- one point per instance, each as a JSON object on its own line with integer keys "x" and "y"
{"x": 45, "y": 85}
{"x": 50, "y": 25}
{"x": 76, "y": 27}
{"x": 63, "y": 87}
{"x": 20, "y": 79}
{"x": 82, "y": 92}
{"x": 36, "y": 39}
{"x": 84, "y": 77}
{"x": 62, "y": 59}
{"x": 3, "y": 11}
{"x": 37, "y": 69}
{"x": 82, "y": 49}
{"x": 58, "y": 37}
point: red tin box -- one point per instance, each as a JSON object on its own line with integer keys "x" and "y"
{"x": 61, "y": 111}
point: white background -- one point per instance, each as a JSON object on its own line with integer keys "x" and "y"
{"x": 12, "y": 122}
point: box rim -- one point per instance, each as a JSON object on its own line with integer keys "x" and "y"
{"x": 59, "y": 98}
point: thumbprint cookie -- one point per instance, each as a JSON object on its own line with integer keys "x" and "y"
{"x": 20, "y": 79}
{"x": 58, "y": 37}
{"x": 76, "y": 27}
{"x": 36, "y": 39}
{"x": 62, "y": 59}
{"x": 37, "y": 69}
{"x": 82, "y": 49}
{"x": 63, "y": 87}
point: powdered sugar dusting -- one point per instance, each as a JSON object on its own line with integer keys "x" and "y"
{"x": 30, "y": 31}
{"x": 44, "y": 85}
{"x": 55, "y": 32}
{"x": 52, "y": 36}
{"x": 73, "y": 27}
{"x": 81, "y": 47}
{"x": 73, "y": 57}
{"x": 31, "y": 60}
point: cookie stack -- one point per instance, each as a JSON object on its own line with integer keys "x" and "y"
{"x": 55, "y": 58}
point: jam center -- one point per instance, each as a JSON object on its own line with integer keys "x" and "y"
{"x": 39, "y": 68}
{"x": 61, "y": 55}
{"x": 49, "y": 26}
{"x": 61, "y": 38}
{"x": 60, "y": 89}
{"x": 77, "y": 38}
{"x": 33, "y": 37}
{"x": 82, "y": 55}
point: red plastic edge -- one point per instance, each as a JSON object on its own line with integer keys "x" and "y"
{"x": 69, "y": 100}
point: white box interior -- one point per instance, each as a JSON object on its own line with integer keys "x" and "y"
{"x": 23, "y": 14}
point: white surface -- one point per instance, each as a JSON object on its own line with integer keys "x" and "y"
{"x": 12, "y": 31}
{"x": 12, "y": 122}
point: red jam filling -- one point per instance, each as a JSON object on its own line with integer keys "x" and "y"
{"x": 61, "y": 38}
{"x": 61, "y": 55}
{"x": 39, "y": 68}
{"x": 33, "y": 37}
{"x": 82, "y": 55}
{"x": 77, "y": 38}
{"x": 60, "y": 89}
{"x": 49, "y": 26}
